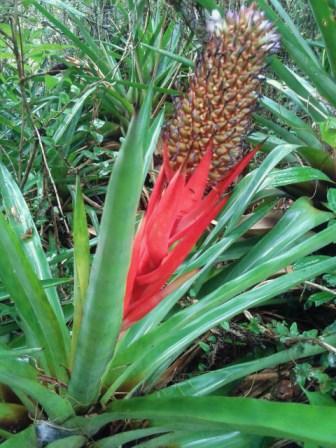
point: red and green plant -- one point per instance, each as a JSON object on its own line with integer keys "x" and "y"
{"x": 116, "y": 363}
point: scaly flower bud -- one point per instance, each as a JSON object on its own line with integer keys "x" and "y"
{"x": 222, "y": 93}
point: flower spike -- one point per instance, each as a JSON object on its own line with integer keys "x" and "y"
{"x": 202, "y": 155}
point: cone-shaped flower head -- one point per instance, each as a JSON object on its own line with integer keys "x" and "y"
{"x": 202, "y": 155}
{"x": 222, "y": 93}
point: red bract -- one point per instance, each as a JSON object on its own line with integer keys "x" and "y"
{"x": 179, "y": 210}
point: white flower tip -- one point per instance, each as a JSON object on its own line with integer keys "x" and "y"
{"x": 214, "y": 21}
{"x": 216, "y": 15}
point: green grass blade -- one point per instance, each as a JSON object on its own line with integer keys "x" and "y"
{"x": 316, "y": 158}
{"x": 65, "y": 6}
{"x": 49, "y": 283}
{"x": 104, "y": 304}
{"x": 303, "y": 105}
{"x": 324, "y": 84}
{"x": 205, "y": 435}
{"x": 319, "y": 159}
{"x": 90, "y": 52}
{"x": 14, "y": 353}
{"x": 267, "y": 142}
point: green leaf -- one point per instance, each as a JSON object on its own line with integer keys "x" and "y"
{"x": 250, "y": 416}
{"x": 70, "y": 114}
{"x": 299, "y": 219}
{"x": 328, "y": 131}
{"x": 21, "y": 376}
{"x": 152, "y": 140}
{"x": 330, "y": 279}
{"x": 320, "y": 399}
{"x": 49, "y": 283}
{"x": 331, "y": 195}
{"x": 294, "y": 175}
{"x": 38, "y": 318}
{"x": 302, "y": 129}
{"x": 22, "y": 222}
{"x": 26, "y": 438}
{"x": 12, "y": 414}
{"x": 89, "y": 51}
{"x": 289, "y": 32}
{"x": 319, "y": 159}
{"x": 171, "y": 55}
{"x": 307, "y": 96}
{"x": 278, "y": 130}
{"x": 104, "y": 304}
{"x": 325, "y": 20}
{"x": 15, "y": 353}
{"x": 69, "y": 442}
{"x": 121, "y": 439}
{"x": 246, "y": 190}
{"x": 51, "y": 81}
{"x": 81, "y": 263}
{"x": 319, "y": 298}
{"x": 203, "y": 438}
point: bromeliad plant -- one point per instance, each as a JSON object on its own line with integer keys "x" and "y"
{"x": 128, "y": 332}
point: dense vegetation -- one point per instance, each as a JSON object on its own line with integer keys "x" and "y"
{"x": 215, "y": 326}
